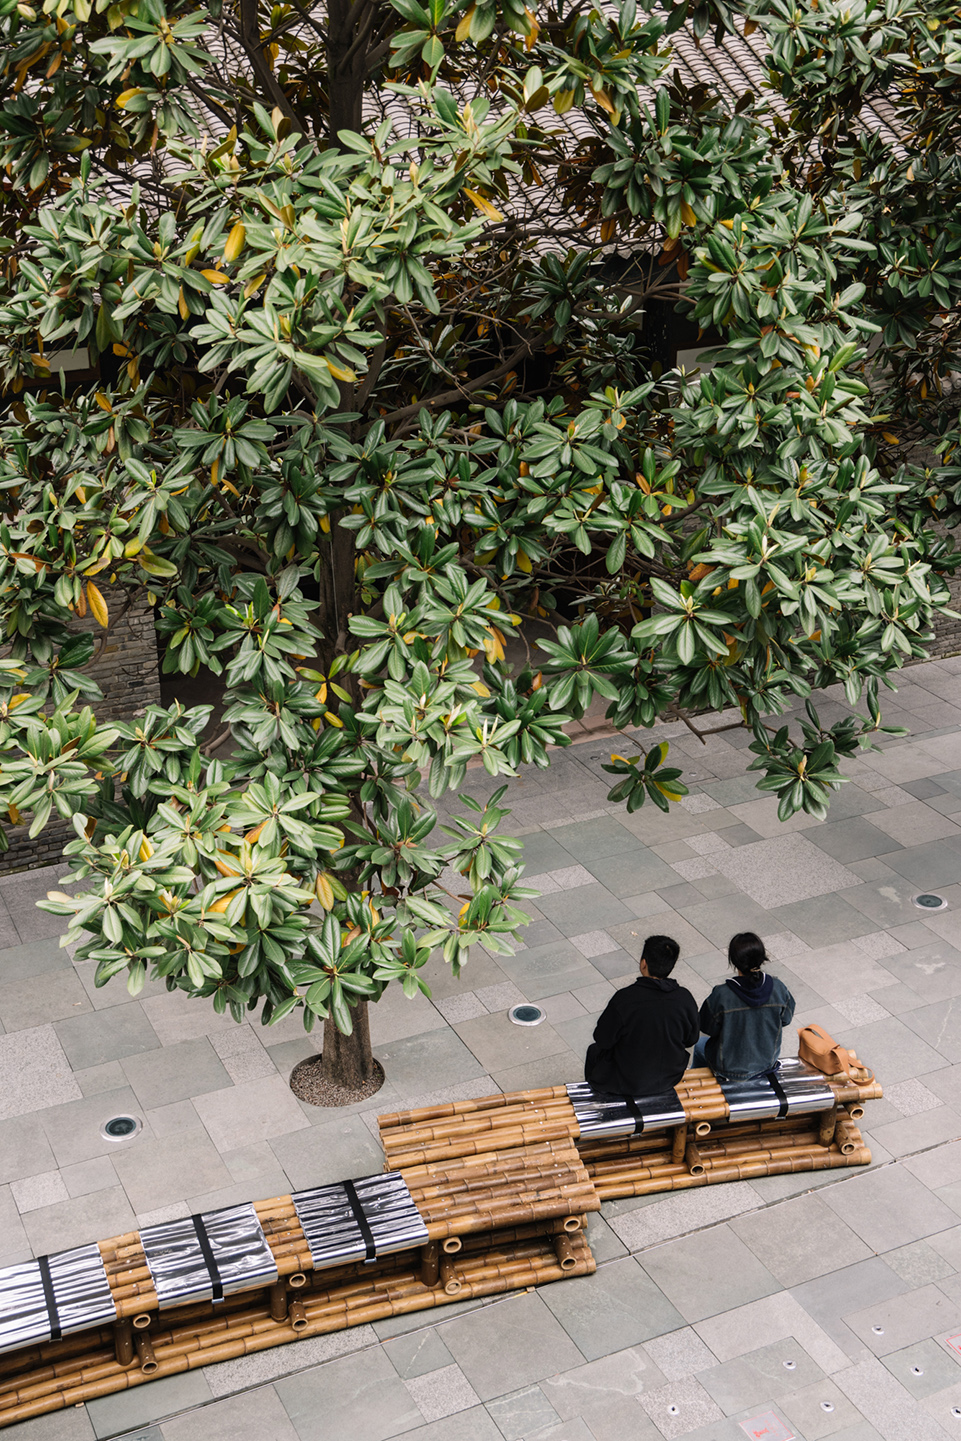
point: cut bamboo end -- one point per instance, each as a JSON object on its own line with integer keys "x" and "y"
{"x": 141, "y": 1320}
{"x": 452, "y": 1244}
{"x": 145, "y": 1351}
{"x": 297, "y": 1316}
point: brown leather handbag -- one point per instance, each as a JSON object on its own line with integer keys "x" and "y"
{"x": 823, "y": 1052}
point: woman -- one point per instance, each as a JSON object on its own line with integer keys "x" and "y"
{"x": 743, "y": 1017}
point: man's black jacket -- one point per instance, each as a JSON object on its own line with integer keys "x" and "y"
{"x": 642, "y": 1039}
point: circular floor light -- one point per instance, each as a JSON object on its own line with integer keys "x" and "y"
{"x": 526, "y": 1015}
{"x": 928, "y": 901}
{"x": 121, "y": 1128}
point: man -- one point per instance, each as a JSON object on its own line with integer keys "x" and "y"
{"x": 642, "y": 1039}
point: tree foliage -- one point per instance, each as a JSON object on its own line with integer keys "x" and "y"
{"x": 366, "y": 283}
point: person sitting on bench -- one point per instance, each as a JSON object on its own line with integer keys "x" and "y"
{"x": 743, "y": 1017}
{"x": 642, "y": 1039}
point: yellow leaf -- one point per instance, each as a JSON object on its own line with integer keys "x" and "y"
{"x": 687, "y": 214}
{"x": 524, "y": 562}
{"x": 216, "y": 277}
{"x": 729, "y": 224}
{"x": 333, "y": 720}
{"x": 489, "y": 210}
{"x": 103, "y": 402}
{"x": 340, "y": 372}
{"x": 324, "y": 891}
{"x": 463, "y": 25}
{"x": 127, "y": 95}
{"x": 254, "y": 285}
{"x": 98, "y": 605}
{"x": 891, "y": 439}
{"x": 220, "y": 906}
{"x": 480, "y": 689}
{"x": 235, "y": 242}
{"x": 325, "y": 524}
{"x": 182, "y": 305}
{"x": 224, "y": 869}
{"x": 563, "y": 101}
{"x": 146, "y": 849}
{"x": 14, "y": 815}
{"x": 215, "y": 471}
{"x": 602, "y": 99}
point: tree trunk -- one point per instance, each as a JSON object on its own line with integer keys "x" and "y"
{"x": 349, "y": 1060}
{"x": 348, "y": 25}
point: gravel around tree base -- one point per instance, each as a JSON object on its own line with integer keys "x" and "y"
{"x": 308, "y": 1084}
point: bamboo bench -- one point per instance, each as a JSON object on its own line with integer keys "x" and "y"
{"x": 477, "y": 1197}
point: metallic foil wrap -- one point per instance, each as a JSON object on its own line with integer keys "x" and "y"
{"x": 359, "y": 1220}
{"x": 77, "y": 1286}
{"x": 805, "y": 1089}
{"x": 237, "y": 1255}
{"x": 603, "y": 1116}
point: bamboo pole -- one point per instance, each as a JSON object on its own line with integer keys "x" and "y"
{"x": 430, "y": 1264}
{"x": 145, "y": 1350}
{"x": 123, "y": 1333}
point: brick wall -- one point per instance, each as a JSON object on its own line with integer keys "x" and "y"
{"x": 126, "y": 670}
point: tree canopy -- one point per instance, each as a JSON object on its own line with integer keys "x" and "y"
{"x": 366, "y": 284}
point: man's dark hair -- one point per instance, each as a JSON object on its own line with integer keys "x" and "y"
{"x": 660, "y": 953}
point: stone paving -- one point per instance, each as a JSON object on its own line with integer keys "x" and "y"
{"x": 808, "y": 1306}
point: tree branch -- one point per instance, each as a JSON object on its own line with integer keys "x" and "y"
{"x": 525, "y": 349}
{"x": 250, "y": 40}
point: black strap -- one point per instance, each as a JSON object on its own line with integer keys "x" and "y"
{"x": 635, "y": 1110}
{"x": 46, "y": 1281}
{"x": 367, "y": 1235}
{"x": 206, "y": 1250}
{"x": 779, "y": 1091}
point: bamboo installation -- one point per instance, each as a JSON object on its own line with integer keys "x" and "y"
{"x": 478, "y": 1197}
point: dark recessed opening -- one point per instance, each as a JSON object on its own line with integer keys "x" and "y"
{"x": 928, "y": 901}
{"x": 120, "y": 1128}
{"x": 526, "y": 1015}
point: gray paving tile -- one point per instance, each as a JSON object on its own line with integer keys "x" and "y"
{"x": 160, "y": 1170}
{"x": 800, "y": 1240}
{"x": 915, "y": 824}
{"x": 623, "y": 1374}
{"x": 35, "y": 1001}
{"x": 588, "y": 840}
{"x": 439, "y": 1055}
{"x": 679, "y": 1407}
{"x": 804, "y": 1408}
{"x": 72, "y": 1425}
{"x": 544, "y": 852}
{"x": 936, "y": 864}
{"x": 34, "y": 1072}
{"x": 632, "y": 874}
{"x": 175, "y": 1016}
{"x": 73, "y": 1129}
{"x": 24, "y": 1149}
{"x": 14, "y": 1245}
{"x": 903, "y": 1047}
{"x": 587, "y": 908}
{"x": 444, "y": 1392}
{"x": 708, "y": 1273}
{"x": 344, "y": 1146}
{"x": 824, "y": 920}
{"x": 417, "y": 1353}
{"x": 850, "y": 840}
{"x": 506, "y": 1347}
{"x": 554, "y": 1070}
{"x": 760, "y": 1377}
{"x": 473, "y": 1425}
{"x": 250, "y": 1112}
{"x": 889, "y": 1208}
{"x": 174, "y": 1073}
{"x": 544, "y": 971}
{"x": 34, "y": 958}
{"x": 226, "y": 1377}
{"x": 125, "y": 1410}
{"x": 619, "y": 1304}
{"x": 921, "y": 1262}
{"x": 782, "y": 870}
{"x": 924, "y": 1368}
{"x": 498, "y": 1043}
{"x": 886, "y": 1404}
{"x": 523, "y": 1413}
{"x": 914, "y": 1133}
{"x": 110, "y": 1035}
{"x": 889, "y": 1326}
{"x": 255, "y": 1416}
{"x": 78, "y": 1221}
{"x": 680, "y": 1212}
{"x": 356, "y": 1396}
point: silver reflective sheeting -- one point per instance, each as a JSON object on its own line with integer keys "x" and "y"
{"x": 333, "y": 1231}
{"x": 607, "y": 1117}
{"x": 804, "y": 1088}
{"x": 80, "y": 1289}
{"x": 179, "y": 1270}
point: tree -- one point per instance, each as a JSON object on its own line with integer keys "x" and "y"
{"x": 373, "y": 391}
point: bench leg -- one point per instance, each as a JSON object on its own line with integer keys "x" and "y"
{"x": 827, "y": 1126}
{"x": 430, "y": 1264}
{"x": 679, "y": 1145}
{"x": 278, "y": 1301}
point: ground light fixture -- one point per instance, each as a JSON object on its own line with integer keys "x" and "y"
{"x": 121, "y": 1128}
{"x": 928, "y": 901}
{"x": 526, "y": 1015}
